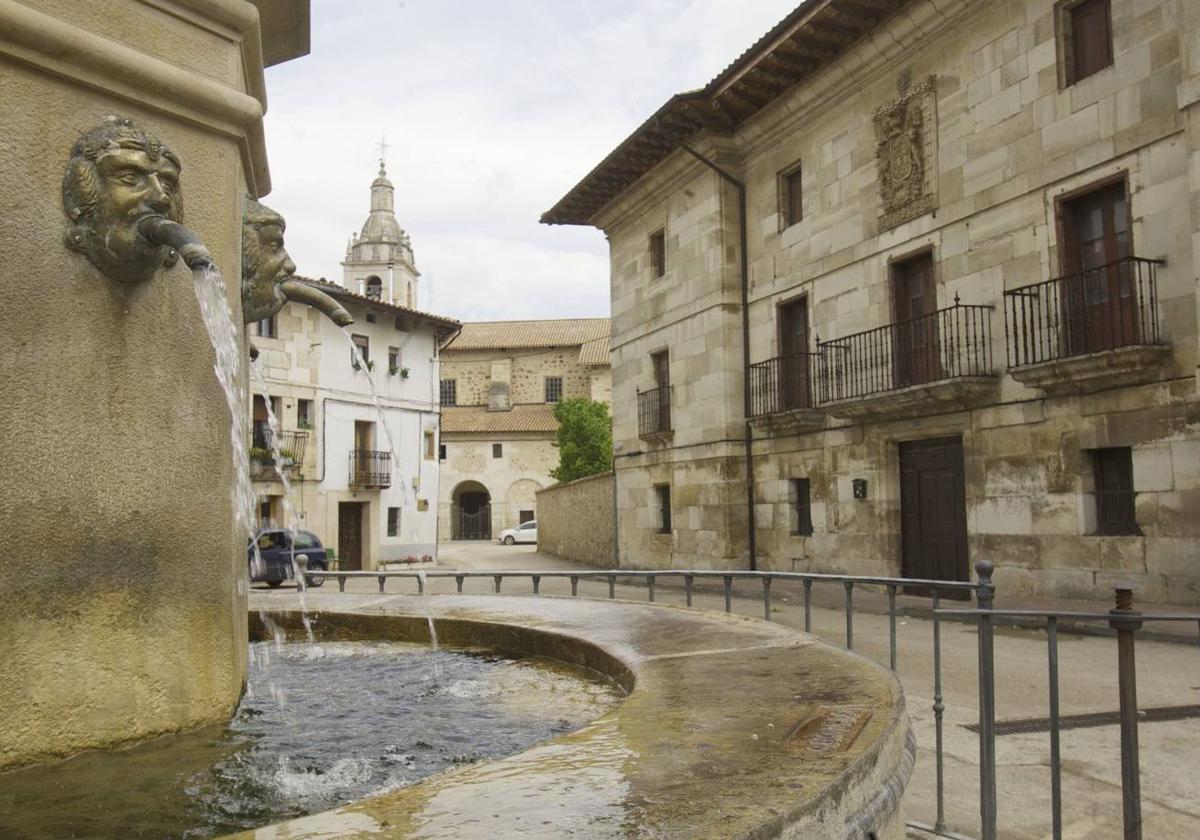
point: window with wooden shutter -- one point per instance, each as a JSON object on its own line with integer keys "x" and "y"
{"x": 1113, "y": 476}
{"x": 658, "y": 254}
{"x": 801, "y": 507}
{"x": 1085, "y": 38}
{"x": 791, "y": 204}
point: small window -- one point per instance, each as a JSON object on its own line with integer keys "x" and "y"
{"x": 791, "y": 204}
{"x": 1112, "y": 470}
{"x": 449, "y": 392}
{"x": 497, "y": 450}
{"x": 430, "y": 449}
{"x": 393, "y": 360}
{"x": 304, "y": 414}
{"x": 801, "y": 507}
{"x": 374, "y": 291}
{"x": 401, "y": 324}
{"x": 267, "y": 328}
{"x": 393, "y": 525}
{"x": 442, "y": 452}
{"x": 658, "y": 254}
{"x": 525, "y": 516}
{"x": 1085, "y": 38}
{"x": 663, "y": 493}
{"x": 553, "y": 389}
{"x": 370, "y": 317}
{"x": 364, "y": 347}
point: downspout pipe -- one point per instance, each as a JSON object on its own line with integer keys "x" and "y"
{"x": 745, "y": 277}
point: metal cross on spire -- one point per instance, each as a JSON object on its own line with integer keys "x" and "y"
{"x": 383, "y": 147}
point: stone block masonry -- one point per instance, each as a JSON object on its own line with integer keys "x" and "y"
{"x": 575, "y": 520}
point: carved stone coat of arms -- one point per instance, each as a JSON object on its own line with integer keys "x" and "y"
{"x": 906, "y": 138}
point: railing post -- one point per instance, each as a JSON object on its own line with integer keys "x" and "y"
{"x": 537, "y": 583}
{"x": 892, "y": 625}
{"x": 612, "y": 586}
{"x": 766, "y": 598}
{"x": 650, "y": 586}
{"x": 1125, "y": 622}
{"x": 939, "y": 710}
{"x": 807, "y": 605}
{"x": 985, "y": 592}
{"x": 420, "y": 585}
{"x": 728, "y": 593}
{"x": 497, "y": 579}
{"x": 341, "y": 583}
{"x": 458, "y": 583}
{"x": 382, "y": 581}
{"x": 574, "y": 584}
{"x": 688, "y": 582}
{"x": 1055, "y": 754}
{"x": 849, "y": 584}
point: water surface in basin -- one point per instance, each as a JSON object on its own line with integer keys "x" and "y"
{"x": 321, "y": 724}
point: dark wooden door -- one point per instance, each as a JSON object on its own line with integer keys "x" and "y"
{"x": 795, "y": 380}
{"x": 1102, "y": 310}
{"x": 662, "y": 383}
{"x": 350, "y": 536}
{"x": 933, "y": 510}
{"x": 915, "y": 353}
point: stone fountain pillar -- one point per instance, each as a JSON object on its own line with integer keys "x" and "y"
{"x": 122, "y": 575}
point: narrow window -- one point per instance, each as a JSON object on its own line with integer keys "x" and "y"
{"x": 364, "y": 348}
{"x": 374, "y": 288}
{"x": 553, "y": 389}
{"x": 304, "y": 414}
{"x": 663, "y": 492}
{"x": 267, "y": 327}
{"x": 497, "y": 450}
{"x": 524, "y": 516}
{"x": 449, "y": 391}
{"x": 658, "y": 254}
{"x": 393, "y": 360}
{"x": 370, "y": 317}
{"x": 1113, "y": 474}
{"x": 442, "y": 452}
{"x": 429, "y": 446}
{"x": 791, "y": 201}
{"x": 1086, "y": 38}
{"x": 401, "y": 326}
{"x": 801, "y": 507}
{"x": 393, "y": 527}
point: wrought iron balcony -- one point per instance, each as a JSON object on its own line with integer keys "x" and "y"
{"x": 938, "y": 361}
{"x": 783, "y": 393}
{"x": 370, "y": 468}
{"x": 1087, "y": 330}
{"x": 291, "y": 448}
{"x": 654, "y": 412}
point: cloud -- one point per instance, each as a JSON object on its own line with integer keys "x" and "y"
{"x": 492, "y": 112}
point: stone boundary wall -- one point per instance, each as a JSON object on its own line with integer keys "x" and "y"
{"x": 575, "y": 520}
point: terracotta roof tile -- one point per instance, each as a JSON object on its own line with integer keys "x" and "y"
{"x": 477, "y": 418}
{"x": 565, "y": 332}
{"x": 595, "y": 353}
{"x": 336, "y": 290}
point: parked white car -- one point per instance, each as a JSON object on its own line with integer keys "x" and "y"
{"x": 524, "y": 533}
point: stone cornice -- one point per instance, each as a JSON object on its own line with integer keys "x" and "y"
{"x": 66, "y": 50}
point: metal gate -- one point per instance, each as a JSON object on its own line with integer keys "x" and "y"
{"x": 474, "y": 524}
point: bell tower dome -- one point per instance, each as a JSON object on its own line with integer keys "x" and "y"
{"x": 379, "y": 259}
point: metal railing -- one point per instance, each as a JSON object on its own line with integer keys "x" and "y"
{"x": 292, "y": 446}
{"x": 947, "y": 344}
{"x": 370, "y": 468}
{"x": 983, "y": 590}
{"x": 783, "y": 383}
{"x": 1126, "y": 621}
{"x": 1103, "y": 308}
{"x": 654, "y": 411}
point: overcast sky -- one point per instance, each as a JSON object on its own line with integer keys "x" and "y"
{"x": 492, "y": 111}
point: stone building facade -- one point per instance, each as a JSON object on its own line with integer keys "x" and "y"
{"x": 361, "y": 456}
{"x": 972, "y": 237}
{"x": 500, "y": 381}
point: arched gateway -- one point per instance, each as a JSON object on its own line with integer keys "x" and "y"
{"x": 471, "y": 512}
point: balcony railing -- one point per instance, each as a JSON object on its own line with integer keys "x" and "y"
{"x": 1104, "y": 308}
{"x": 783, "y": 384}
{"x": 292, "y": 446}
{"x": 370, "y": 468}
{"x": 950, "y": 343}
{"x": 654, "y": 411}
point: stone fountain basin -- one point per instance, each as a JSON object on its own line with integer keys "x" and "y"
{"x": 732, "y": 727}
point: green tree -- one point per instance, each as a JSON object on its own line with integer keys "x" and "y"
{"x": 584, "y": 439}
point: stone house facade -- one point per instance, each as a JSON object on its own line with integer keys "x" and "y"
{"x": 499, "y": 383}
{"x": 969, "y": 288}
{"x": 359, "y": 444}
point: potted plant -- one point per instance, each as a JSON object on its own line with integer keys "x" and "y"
{"x": 259, "y": 454}
{"x": 404, "y": 373}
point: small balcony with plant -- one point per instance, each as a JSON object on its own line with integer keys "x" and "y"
{"x": 270, "y": 452}
{"x": 1088, "y": 330}
{"x": 940, "y": 361}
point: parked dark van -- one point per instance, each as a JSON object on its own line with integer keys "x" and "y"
{"x": 275, "y": 548}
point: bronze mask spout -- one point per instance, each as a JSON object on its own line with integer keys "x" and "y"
{"x": 268, "y": 280}
{"x": 160, "y": 230}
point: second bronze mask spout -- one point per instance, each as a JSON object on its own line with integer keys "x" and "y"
{"x": 160, "y": 230}
{"x": 268, "y": 280}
